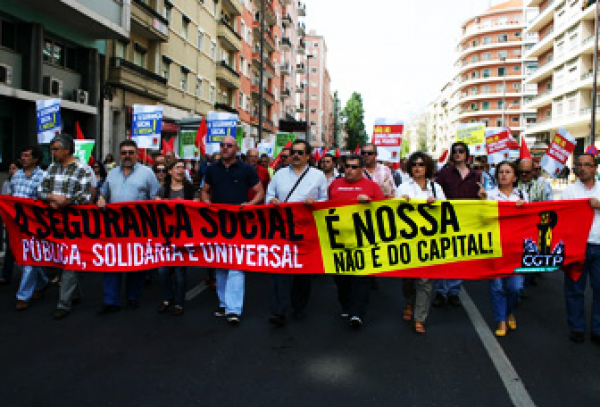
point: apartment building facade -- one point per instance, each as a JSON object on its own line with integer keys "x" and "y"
{"x": 54, "y": 50}
{"x": 443, "y": 118}
{"x": 491, "y": 65}
{"x": 564, "y": 75}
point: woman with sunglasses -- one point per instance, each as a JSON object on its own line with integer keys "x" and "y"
{"x": 173, "y": 279}
{"x": 100, "y": 173}
{"x": 504, "y": 291}
{"x": 417, "y": 291}
{"x": 160, "y": 170}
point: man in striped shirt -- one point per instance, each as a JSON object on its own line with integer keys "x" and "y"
{"x": 66, "y": 182}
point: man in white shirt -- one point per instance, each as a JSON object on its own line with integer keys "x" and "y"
{"x": 586, "y": 187}
{"x": 296, "y": 183}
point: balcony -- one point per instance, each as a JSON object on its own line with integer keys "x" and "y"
{"x": 286, "y": 44}
{"x": 301, "y": 48}
{"x": 226, "y": 108}
{"x": 148, "y": 23}
{"x": 543, "y": 18}
{"x": 488, "y": 27}
{"x": 233, "y": 6}
{"x": 269, "y": 42}
{"x": 287, "y": 21}
{"x": 267, "y": 96}
{"x": 127, "y": 75}
{"x": 487, "y": 46}
{"x": 544, "y": 44}
{"x": 300, "y": 108}
{"x": 301, "y": 29}
{"x": 228, "y": 75}
{"x": 300, "y": 68}
{"x": 286, "y": 69}
{"x": 301, "y": 9}
{"x": 465, "y": 66}
{"x": 300, "y": 88}
{"x": 230, "y": 40}
{"x": 286, "y": 93}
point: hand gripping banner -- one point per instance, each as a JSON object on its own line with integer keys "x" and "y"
{"x": 448, "y": 239}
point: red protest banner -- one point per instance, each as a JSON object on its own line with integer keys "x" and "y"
{"x": 449, "y": 239}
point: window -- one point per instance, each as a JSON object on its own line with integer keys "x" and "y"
{"x": 500, "y": 104}
{"x": 138, "y": 56}
{"x": 474, "y": 43}
{"x": 474, "y": 106}
{"x": 487, "y": 40}
{"x": 515, "y": 119}
{"x": 485, "y": 105}
{"x": 167, "y": 13}
{"x": 185, "y": 21}
{"x": 215, "y": 3}
{"x": 517, "y": 86}
{"x": 474, "y": 90}
{"x": 487, "y": 56}
{"x": 486, "y": 73}
{"x": 200, "y": 39}
{"x": 119, "y": 49}
{"x": 211, "y": 96}
{"x": 501, "y": 71}
{"x": 240, "y": 99}
{"x": 184, "y": 79}
{"x": 502, "y": 54}
{"x": 517, "y": 68}
{"x": 502, "y": 37}
{"x": 165, "y": 69}
{"x": 314, "y": 70}
{"x": 474, "y": 58}
{"x": 499, "y": 123}
{"x": 54, "y": 52}
{"x": 199, "y": 88}
{"x": 8, "y": 33}
{"x": 213, "y": 49}
{"x": 486, "y": 89}
{"x": 500, "y": 88}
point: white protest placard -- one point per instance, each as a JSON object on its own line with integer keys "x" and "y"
{"x": 560, "y": 149}
{"x": 496, "y": 144}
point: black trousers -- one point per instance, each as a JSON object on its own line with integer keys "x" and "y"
{"x": 9, "y": 263}
{"x": 353, "y": 294}
{"x": 289, "y": 288}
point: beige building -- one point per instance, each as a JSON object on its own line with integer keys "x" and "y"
{"x": 564, "y": 73}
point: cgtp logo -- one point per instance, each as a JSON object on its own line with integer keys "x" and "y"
{"x": 541, "y": 257}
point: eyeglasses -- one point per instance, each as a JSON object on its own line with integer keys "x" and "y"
{"x": 298, "y": 152}
{"x": 419, "y": 164}
{"x": 54, "y": 148}
{"x": 477, "y": 167}
{"x": 160, "y": 170}
{"x": 127, "y": 152}
{"x": 284, "y": 156}
{"x": 354, "y": 167}
{"x": 458, "y": 150}
{"x": 368, "y": 153}
{"x": 228, "y": 145}
{"x": 587, "y": 165}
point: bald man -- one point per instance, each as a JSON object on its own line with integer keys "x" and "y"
{"x": 227, "y": 181}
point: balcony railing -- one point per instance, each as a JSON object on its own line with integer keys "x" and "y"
{"x": 230, "y": 69}
{"x": 225, "y": 107}
{"x": 151, "y": 11}
{"x": 116, "y": 62}
{"x": 226, "y": 24}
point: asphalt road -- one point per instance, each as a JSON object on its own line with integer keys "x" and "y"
{"x": 143, "y": 358}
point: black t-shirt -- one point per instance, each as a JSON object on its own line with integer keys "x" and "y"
{"x": 230, "y": 185}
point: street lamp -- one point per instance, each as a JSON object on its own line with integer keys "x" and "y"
{"x": 595, "y": 83}
{"x": 308, "y": 58}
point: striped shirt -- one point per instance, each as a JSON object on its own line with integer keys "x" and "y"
{"x": 23, "y": 186}
{"x": 73, "y": 182}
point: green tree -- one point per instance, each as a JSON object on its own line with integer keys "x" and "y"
{"x": 354, "y": 122}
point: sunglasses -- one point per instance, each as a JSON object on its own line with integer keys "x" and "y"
{"x": 160, "y": 170}
{"x": 477, "y": 167}
{"x": 298, "y": 152}
{"x": 354, "y": 167}
{"x": 419, "y": 164}
{"x": 458, "y": 150}
{"x": 54, "y": 148}
{"x": 368, "y": 153}
{"x": 228, "y": 145}
{"x": 127, "y": 152}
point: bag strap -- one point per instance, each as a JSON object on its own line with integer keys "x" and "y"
{"x": 296, "y": 184}
{"x": 433, "y": 189}
{"x": 368, "y": 175}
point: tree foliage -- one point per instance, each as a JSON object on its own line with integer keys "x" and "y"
{"x": 354, "y": 122}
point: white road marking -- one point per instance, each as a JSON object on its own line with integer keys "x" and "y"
{"x": 516, "y": 390}
{"x": 196, "y": 291}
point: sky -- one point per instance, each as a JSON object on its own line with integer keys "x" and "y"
{"x": 398, "y": 54}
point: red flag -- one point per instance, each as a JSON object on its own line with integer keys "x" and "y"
{"x": 523, "y": 150}
{"x": 143, "y": 156}
{"x": 78, "y": 132}
{"x": 337, "y": 153}
{"x": 277, "y": 159}
{"x": 201, "y": 137}
{"x": 167, "y": 146}
{"x": 443, "y": 156}
{"x": 357, "y": 150}
{"x": 79, "y": 135}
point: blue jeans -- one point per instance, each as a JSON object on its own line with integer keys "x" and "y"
{"x": 575, "y": 290}
{"x": 447, "y": 287}
{"x": 112, "y": 286}
{"x": 173, "y": 280}
{"x": 230, "y": 289}
{"x": 33, "y": 278}
{"x": 504, "y": 293}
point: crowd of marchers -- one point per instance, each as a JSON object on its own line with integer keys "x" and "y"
{"x": 229, "y": 177}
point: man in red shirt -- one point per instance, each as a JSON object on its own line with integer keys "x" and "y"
{"x": 353, "y": 291}
{"x": 262, "y": 172}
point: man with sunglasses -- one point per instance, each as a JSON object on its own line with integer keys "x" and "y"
{"x": 377, "y": 172}
{"x": 353, "y": 291}
{"x": 537, "y": 176}
{"x": 458, "y": 181}
{"x": 227, "y": 182}
{"x": 586, "y": 187}
{"x": 296, "y": 183}
{"x": 129, "y": 182}
{"x": 262, "y": 172}
{"x": 66, "y": 182}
